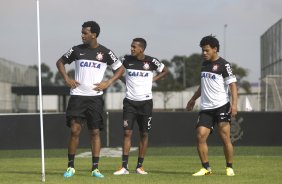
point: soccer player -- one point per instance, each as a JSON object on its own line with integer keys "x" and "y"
{"x": 138, "y": 103}
{"x": 216, "y": 109}
{"x": 86, "y": 101}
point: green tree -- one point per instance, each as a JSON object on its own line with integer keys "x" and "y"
{"x": 59, "y": 81}
{"x": 240, "y": 74}
{"x": 187, "y": 69}
{"x": 167, "y": 83}
{"x": 46, "y": 74}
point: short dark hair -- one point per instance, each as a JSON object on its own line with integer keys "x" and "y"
{"x": 211, "y": 41}
{"x": 142, "y": 42}
{"x": 94, "y": 27}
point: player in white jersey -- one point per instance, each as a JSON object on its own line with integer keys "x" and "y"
{"x": 216, "y": 107}
{"x": 138, "y": 103}
{"x": 86, "y": 101}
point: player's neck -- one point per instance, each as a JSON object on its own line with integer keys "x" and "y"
{"x": 141, "y": 56}
{"x": 94, "y": 44}
{"x": 215, "y": 58}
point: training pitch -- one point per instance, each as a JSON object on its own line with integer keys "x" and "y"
{"x": 258, "y": 165}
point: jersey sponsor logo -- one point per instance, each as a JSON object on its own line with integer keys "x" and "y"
{"x": 208, "y": 75}
{"x": 99, "y": 56}
{"x": 146, "y": 66}
{"x": 113, "y": 56}
{"x": 215, "y": 68}
{"x": 228, "y": 69}
{"x": 89, "y": 64}
{"x": 138, "y": 74}
{"x": 67, "y": 55}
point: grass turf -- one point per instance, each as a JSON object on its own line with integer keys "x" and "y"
{"x": 165, "y": 165}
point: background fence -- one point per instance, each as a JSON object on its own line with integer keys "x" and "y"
{"x": 169, "y": 129}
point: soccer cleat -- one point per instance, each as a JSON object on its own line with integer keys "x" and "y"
{"x": 202, "y": 172}
{"x": 121, "y": 171}
{"x": 229, "y": 171}
{"x": 69, "y": 173}
{"x": 97, "y": 173}
{"x": 140, "y": 170}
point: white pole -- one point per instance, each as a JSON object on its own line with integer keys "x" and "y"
{"x": 40, "y": 93}
{"x": 224, "y": 41}
{"x": 266, "y": 93}
{"x": 108, "y": 129}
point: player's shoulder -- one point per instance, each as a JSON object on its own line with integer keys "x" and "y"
{"x": 103, "y": 48}
{"x": 150, "y": 58}
{"x": 80, "y": 46}
{"x": 128, "y": 57}
{"x": 153, "y": 61}
{"x": 222, "y": 61}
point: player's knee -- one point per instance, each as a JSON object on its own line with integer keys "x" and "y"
{"x": 95, "y": 132}
{"x": 144, "y": 134}
{"x": 201, "y": 138}
{"x": 128, "y": 133}
{"x": 75, "y": 131}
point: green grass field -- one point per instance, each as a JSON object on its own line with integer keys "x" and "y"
{"x": 258, "y": 165}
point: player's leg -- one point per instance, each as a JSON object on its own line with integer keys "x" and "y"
{"x": 143, "y": 144}
{"x": 95, "y": 124}
{"x": 75, "y": 117}
{"x": 129, "y": 118}
{"x": 203, "y": 129}
{"x": 95, "y": 148}
{"x": 74, "y": 138}
{"x": 224, "y": 133}
{"x": 224, "y": 128}
{"x": 75, "y": 128}
{"x": 144, "y": 121}
{"x": 126, "y": 146}
{"x": 202, "y": 148}
{"x": 125, "y": 152}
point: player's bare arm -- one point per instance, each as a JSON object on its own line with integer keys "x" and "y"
{"x": 61, "y": 68}
{"x": 234, "y": 96}
{"x": 161, "y": 74}
{"x": 192, "y": 101}
{"x": 105, "y": 84}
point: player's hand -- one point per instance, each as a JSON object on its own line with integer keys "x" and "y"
{"x": 233, "y": 111}
{"x": 72, "y": 83}
{"x": 102, "y": 85}
{"x": 190, "y": 105}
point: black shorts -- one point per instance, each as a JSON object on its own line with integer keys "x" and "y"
{"x": 139, "y": 111}
{"x": 87, "y": 109}
{"x": 208, "y": 118}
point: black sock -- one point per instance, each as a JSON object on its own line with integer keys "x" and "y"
{"x": 125, "y": 161}
{"x": 229, "y": 165}
{"x": 95, "y": 162}
{"x": 139, "y": 162}
{"x": 71, "y": 160}
{"x": 206, "y": 165}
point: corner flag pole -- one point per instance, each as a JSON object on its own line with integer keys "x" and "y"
{"x": 40, "y": 92}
